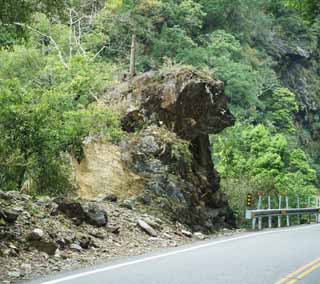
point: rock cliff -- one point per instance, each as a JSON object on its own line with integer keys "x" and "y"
{"x": 296, "y": 61}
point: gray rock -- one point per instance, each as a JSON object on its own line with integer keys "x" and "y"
{"x": 147, "y": 228}
{"x": 95, "y": 216}
{"x": 78, "y": 213}
{"x": 186, "y": 233}
{"x": 26, "y": 268}
{"x": 153, "y": 223}
{"x": 71, "y": 209}
{"x": 76, "y": 247}
{"x": 126, "y": 204}
{"x": 36, "y": 235}
{"x": 199, "y": 236}
{"x": 49, "y": 247}
{"x": 111, "y": 198}
{"x": 14, "y": 274}
{"x": 149, "y": 145}
{"x": 9, "y": 216}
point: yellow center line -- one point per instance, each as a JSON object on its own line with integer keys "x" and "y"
{"x": 301, "y": 269}
{"x": 304, "y": 274}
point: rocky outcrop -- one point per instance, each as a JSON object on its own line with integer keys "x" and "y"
{"x": 169, "y": 118}
{"x": 164, "y": 161}
{"x": 187, "y": 102}
{"x": 102, "y": 171}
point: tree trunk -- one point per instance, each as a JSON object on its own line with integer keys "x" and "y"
{"x": 133, "y": 57}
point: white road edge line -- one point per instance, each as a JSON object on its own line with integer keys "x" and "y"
{"x": 112, "y": 267}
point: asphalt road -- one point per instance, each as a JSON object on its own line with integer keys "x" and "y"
{"x": 282, "y": 256}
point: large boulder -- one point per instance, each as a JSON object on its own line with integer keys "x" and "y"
{"x": 188, "y": 102}
{"x": 96, "y": 216}
{"x": 169, "y": 117}
{"x": 88, "y": 213}
{"x": 9, "y": 216}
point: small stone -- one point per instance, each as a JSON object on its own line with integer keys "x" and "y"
{"x": 186, "y": 233}
{"x": 114, "y": 230}
{"x": 2, "y": 222}
{"x": 48, "y": 247}
{"x": 147, "y": 228}
{"x": 168, "y": 236}
{"x": 127, "y": 205}
{"x": 153, "y": 239}
{"x": 14, "y": 274}
{"x": 57, "y": 254}
{"x": 153, "y": 224}
{"x": 62, "y": 243}
{"x": 111, "y": 198}
{"x": 36, "y": 235}
{"x": 143, "y": 199}
{"x": 44, "y": 255}
{"x": 26, "y": 268}
{"x": 98, "y": 235}
{"x": 76, "y": 247}
{"x": 199, "y": 236}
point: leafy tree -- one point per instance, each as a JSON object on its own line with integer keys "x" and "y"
{"x": 280, "y": 109}
{"x": 310, "y": 9}
{"x": 47, "y": 110}
{"x": 223, "y": 56}
{"x": 256, "y": 160}
{"x": 17, "y": 11}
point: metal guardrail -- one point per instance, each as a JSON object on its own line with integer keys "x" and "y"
{"x": 258, "y": 214}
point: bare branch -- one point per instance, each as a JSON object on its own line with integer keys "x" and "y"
{"x": 70, "y": 34}
{"x": 78, "y": 42}
{"x": 48, "y": 37}
{"x": 98, "y": 53}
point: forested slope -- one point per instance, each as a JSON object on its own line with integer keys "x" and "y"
{"x": 58, "y": 57}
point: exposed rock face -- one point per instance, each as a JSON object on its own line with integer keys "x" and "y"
{"x": 189, "y": 103}
{"x": 297, "y": 60}
{"x": 169, "y": 119}
{"x": 101, "y": 171}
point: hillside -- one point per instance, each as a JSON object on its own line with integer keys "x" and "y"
{"x": 177, "y": 109}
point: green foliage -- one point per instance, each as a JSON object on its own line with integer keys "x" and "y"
{"x": 261, "y": 161}
{"x": 173, "y": 42}
{"x": 47, "y": 110}
{"x": 310, "y": 9}
{"x": 280, "y": 109}
{"x": 16, "y": 11}
{"x": 180, "y": 152}
{"x": 223, "y": 56}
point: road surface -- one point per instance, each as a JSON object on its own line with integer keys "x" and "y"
{"x": 282, "y": 256}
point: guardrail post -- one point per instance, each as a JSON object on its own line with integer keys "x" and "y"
{"x": 259, "y": 207}
{"x": 279, "y": 217}
{"x": 309, "y": 206}
{"x": 254, "y": 219}
{"x": 287, "y": 207}
{"x": 270, "y": 217}
{"x": 318, "y": 205}
{"x": 298, "y": 206}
